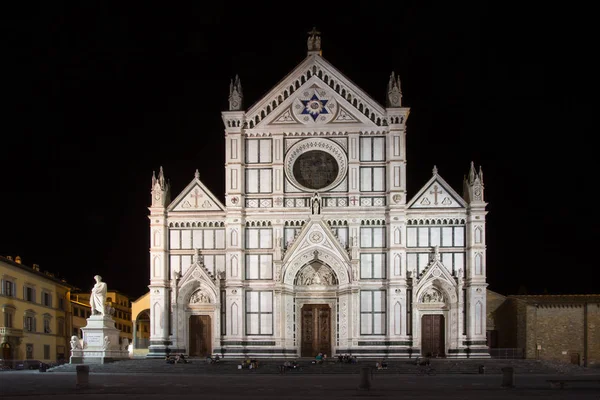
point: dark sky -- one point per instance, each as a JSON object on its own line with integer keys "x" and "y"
{"x": 97, "y": 95}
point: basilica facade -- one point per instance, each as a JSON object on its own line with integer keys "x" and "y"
{"x": 318, "y": 247}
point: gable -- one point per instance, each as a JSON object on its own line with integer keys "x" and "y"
{"x": 196, "y": 197}
{"x": 316, "y": 233}
{"x": 315, "y": 104}
{"x": 436, "y": 194}
{"x": 315, "y": 70}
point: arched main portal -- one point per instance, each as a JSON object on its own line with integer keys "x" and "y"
{"x": 316, "y": 290}
{"x": 197, "y": 319}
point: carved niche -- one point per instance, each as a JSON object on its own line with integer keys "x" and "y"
{"x": 316, "y": 274}
{"x": 432, "y": 295}
{"x": 198, "y": 297}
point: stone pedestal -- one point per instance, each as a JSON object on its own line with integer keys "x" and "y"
{"x": 100, "y": 342}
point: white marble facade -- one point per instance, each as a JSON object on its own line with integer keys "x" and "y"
{"x": 316, "y": 213}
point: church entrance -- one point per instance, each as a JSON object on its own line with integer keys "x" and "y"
{"x": 432, "y": 336}
{"x": 316, "y": 330}
{"x": 200, "y": 336}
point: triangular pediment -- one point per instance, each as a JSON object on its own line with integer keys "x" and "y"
{"x": 436, "y": 193}
{"x": 196, "y": 197}
{"x": 196, "y": 272}
{"x": 436, "y": 270}
{"x": 312, "y": 105}
{"x": 280, "y": 105}
{"x": 316, "y": 233}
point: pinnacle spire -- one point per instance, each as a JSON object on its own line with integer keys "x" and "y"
{"x": 394, "y": 92}
{"x": 435, "y": 170}
{"x": 472, "y": 172}
{"x": 235, "y": 94}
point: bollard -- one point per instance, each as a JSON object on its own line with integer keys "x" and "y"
{"x": 365, "y": 378}
{"x": 83, "y": 372}
{"x": 508, "y": 375}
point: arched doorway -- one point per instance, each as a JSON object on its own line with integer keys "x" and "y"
{"x": 316, "y": 284}
{"x": 141, "y": 338}
{"x": 200, "y": 336}
{"x": 6, "y": 351}
{"x": 316, "y": 330}
{"x": 432, "y": 335}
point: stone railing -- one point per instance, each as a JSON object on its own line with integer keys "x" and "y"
{"x": 4, "y": 331}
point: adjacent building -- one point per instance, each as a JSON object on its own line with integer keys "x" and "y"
{"x": 35, "y": 312}
{"x": 562, "y": 328}
{"x": 317, "y": 246}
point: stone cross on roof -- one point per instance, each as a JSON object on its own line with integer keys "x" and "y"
{"x": 314, "y": 41}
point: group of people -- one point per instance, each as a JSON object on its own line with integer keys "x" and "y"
{"x": 249, "y": 363}
{"x": 319, "y": 358}
{"x": 347, "y": 359}
{"x": 176, "y": 359}
{"x": 289, "y": 365}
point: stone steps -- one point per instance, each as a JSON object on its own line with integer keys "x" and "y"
{"x": 272, "y": 366}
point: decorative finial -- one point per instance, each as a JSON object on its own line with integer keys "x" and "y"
{"x": 235, "y": 94}
{"x": 314, "y": 41}
{"x": 394, "y": 93}
{"x": 197, "y": 174}
{"x": 472, "y": 172}
{"x": 435, "y": 171}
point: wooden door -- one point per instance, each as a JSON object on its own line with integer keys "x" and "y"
{"x": 200, "y": 336}
{"x": 316, "y": 330}
{"x": 6, "y": 351}
{"x": 432, "y": 336}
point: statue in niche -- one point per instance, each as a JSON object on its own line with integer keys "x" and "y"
{"x": 199, "y": 297}
{"x": 198, "y": 258}
{"x": 436, "y": 254}
{"x": 316, "y": 204}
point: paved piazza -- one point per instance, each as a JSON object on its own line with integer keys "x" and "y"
{"x": 24, "y": 384}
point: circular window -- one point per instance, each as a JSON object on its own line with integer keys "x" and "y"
{"x": 316, "y": 164}
{"x": 315, "y": 169}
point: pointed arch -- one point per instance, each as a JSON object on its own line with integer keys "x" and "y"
{"x": 234, "y": 268}
{"x": 478, "y": 264}
{"x": 397, "y": 318}
{"x": 156, "y": 319}
{"x": 234, "y": 237}
{"x": 234, "y": 319}
{"x": 397, "y": 265}
{"x": 478, "y": 235}
{"x": 478, "y": 318}
{"x": 156, "y": 238}
{"x": 397, "y": 236}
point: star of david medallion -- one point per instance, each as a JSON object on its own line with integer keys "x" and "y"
{"x": 316, "y": 237}
{"x": 314, "y": 106}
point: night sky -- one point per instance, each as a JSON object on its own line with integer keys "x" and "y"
{"x": 97, "y": 95}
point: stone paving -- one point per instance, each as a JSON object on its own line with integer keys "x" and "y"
{"x": 155, "y": 379}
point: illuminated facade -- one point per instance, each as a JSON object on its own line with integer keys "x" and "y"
{"x": 317, "y": 247}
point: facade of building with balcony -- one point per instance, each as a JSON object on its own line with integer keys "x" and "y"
{"x": 35, "y": 311}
